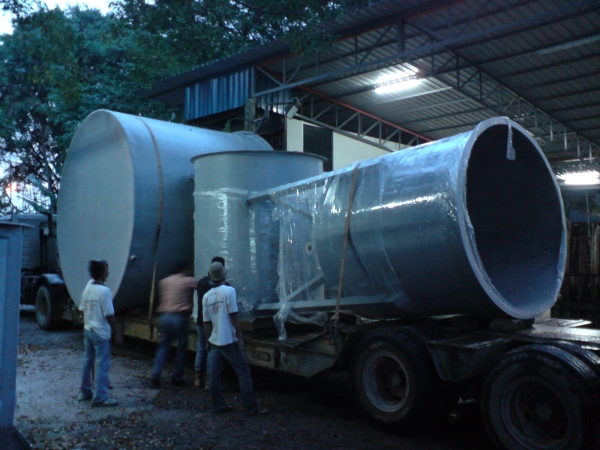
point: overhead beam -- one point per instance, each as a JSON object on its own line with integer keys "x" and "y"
{"x": 432, "y": 106}
{"x": 570, "y": 108}
{"x": 566, "y": 94}
{"x": 490, "y": 93}
{"x": 400, "y": 19}
{"x": 575, "y": 13}
{"x": 562, "y": 63}
{"x": 437, "y": 61}
{"x": 562, "y": 81}
{"x": 427, "y": 48}
{"x": 326, "y": 102}
{"x": 451, "y": 127}
{"x": 580, "y": 119}
{"x": 354, "y": 123}
{"x": 444, "y": 116}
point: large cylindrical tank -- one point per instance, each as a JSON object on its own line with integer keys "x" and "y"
{"x": 245, "y": 236}
{"x": 467, "y": 224}
{"x": 127, "y": 196}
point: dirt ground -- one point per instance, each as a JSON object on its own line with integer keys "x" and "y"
{"x": 319, "y": 413}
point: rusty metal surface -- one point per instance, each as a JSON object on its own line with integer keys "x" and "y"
{"x": 305, "y": 354}
{"x": 467, "y": 356}
{"x": 464, "y": 355}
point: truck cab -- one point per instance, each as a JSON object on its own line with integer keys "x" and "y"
{"x": 42, "y": 284}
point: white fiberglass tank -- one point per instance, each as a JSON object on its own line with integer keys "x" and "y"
{"x": 127, "y": 196}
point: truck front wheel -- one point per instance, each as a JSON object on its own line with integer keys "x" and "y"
{"x": 541, "y": 397}
{"x": 395, "y": 379}
{"x": 45, "y": 308}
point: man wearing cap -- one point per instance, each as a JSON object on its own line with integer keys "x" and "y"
{"x": 225, "y": 341}
{"x": 99, "y": 319}
{"x": 204, "y": 285}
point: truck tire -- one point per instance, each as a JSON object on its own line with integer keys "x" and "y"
{"x": 541, "y": 397}
{"x": 45, "y": 308}
{"x": 589, "y": 358}
{"x": 395, "y": 379}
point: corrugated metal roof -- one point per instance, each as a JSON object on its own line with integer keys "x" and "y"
{"x": 217, "y": 94}
{"x": 545, "y": 51}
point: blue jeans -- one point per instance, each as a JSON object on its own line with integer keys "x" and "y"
{"x": 171, "y": 326}
{"x": 236, "y": 358}
{"x": 201, "y": 353}
{"x": 96, "y": 350}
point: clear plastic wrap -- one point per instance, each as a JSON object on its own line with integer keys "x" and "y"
{"x": 287, "y": 314}
{"x": 300, "y": 278}
{"x": 244, "y": 234}
{"x": 468, "y": 224}
{"x": 247, "y": 238}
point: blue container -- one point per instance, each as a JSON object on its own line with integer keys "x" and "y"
{"x": 10, "y": 286}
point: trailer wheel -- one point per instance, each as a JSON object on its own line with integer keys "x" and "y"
{"x": 589, "y": 358}
{"x": 45, "y": 308}
{"x": 541, "y": 397}
{"x": 395, "y": 379}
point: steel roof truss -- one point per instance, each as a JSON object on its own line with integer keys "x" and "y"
{"x": 422, "y": 49}
{"x": 349, "y": 121}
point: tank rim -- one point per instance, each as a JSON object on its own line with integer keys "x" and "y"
{"x": 254, "y": 152}
{"x": 464, "y": 222}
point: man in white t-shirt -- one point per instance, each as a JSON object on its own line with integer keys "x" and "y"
{"x": 99, "y": 322}
{"x": 225, "y": 341}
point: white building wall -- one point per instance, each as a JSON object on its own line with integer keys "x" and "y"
{"x": 346, "y": 150}
{"x": 295, "y": 135}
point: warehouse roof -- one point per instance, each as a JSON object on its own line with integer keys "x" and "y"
{"x": 437, "y": 68}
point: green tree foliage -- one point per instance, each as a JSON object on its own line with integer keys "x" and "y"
{"x": 177, "y": 35}
{"x": 56, "y": 69}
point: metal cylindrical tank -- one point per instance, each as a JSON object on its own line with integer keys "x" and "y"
{"x": 246, "y": 236}
{"x": 473, "y": 223}
{"x": 126, "y": 196}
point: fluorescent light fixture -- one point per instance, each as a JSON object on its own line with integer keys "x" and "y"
{"x": 398, "y": 85}
{"x": 586, "y": 178}
{"x": 568, "y": 45}
{"x": 292, "y": 108}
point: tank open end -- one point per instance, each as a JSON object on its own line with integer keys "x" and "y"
{"x": 517, "y": 239}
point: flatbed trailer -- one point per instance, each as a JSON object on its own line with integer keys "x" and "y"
{"x": 538, "y": 382}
